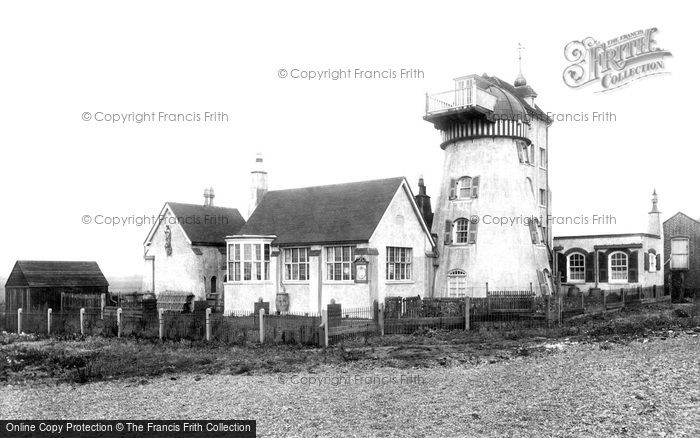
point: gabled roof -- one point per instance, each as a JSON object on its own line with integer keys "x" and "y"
{"x": 324, "y": 214}
{"x": 203, "y": 225}
{"x": 30, "y": 273}
{"x": 680, "y": 213}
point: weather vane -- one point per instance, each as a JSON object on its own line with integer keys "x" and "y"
{"x": 520, "y": 57}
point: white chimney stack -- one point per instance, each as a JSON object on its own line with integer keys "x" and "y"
{"x": 258, "y": 184}
{"x": 209, "y": 197}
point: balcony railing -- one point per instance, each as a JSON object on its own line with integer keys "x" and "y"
{"x": 459, "y": 99}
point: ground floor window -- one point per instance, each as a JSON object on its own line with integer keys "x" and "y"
{"x": 680, "y": 248}
{"x": 296, "y": 264}
{"x": 577, "y": 267}
{"x": 339, "y": 263}
{"x": 457, "y": 283}
{"x": 618, "y": 266}
{"x": 399, "y": 265}
{"x": 249, "y": 261}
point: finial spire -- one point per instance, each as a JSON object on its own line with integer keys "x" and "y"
{"x": 520, "y": 80}
{"x": 654, "y": 202}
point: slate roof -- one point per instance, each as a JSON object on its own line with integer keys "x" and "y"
{"x": 207, "y": 225}
{"x": 30, "y": 273}
{"x": 323, "y": 214}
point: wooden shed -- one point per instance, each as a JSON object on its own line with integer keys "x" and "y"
{"x": 38, "y": 285}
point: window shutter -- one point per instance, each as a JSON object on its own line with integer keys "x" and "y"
{"x": 520, "y": 151}
{"x": 473, "y": 226}
{"x": 448, "y": 232}
{"x": 453, "y": 188}
{"x": 540, "y": 278}
{"x": 658, "y": 262}
{"x": 590, "y": 266}
{"x": 533, "y": 231}
{"x": 633, "y": 275}
{"x": 532, "y": 155}
{"x": 475, "y": 187}
{"x": 561, "y": 266}
{"x": 602, "y": 267}
{"x": 646, "y": 261}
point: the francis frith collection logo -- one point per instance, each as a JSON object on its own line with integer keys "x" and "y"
{"x": 614, "y": 63}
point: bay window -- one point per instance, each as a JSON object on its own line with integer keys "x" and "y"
{"x": 249, "y": 262}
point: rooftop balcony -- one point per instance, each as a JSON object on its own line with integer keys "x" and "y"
{"x": 465, "y": 97}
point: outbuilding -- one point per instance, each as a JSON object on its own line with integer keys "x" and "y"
{"x": 38, "y": 285}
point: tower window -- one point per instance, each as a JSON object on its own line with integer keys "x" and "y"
{"x": 543, "y": 197}
{"x": 465, "y": 187}
{"x": 543, "y": 158}
{"x": 461, "y": 231}
{"x": 526, "y": 154}
{"x": 465, "y": 231}
{"x": 456, "y": 283}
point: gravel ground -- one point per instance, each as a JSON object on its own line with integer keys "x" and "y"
{"x": 647, "y": 388}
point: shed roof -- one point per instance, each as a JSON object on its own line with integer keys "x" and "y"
{"x": 33, "y": 273}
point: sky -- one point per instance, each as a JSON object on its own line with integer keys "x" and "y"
{"x": 64, "y": 59}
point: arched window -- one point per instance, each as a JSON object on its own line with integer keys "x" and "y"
{"x": 618, "y": 267}
{"x": 461, "y": 231}
{"x": 464, "y": 187}
{"x": 456, "y": 283}
{"x": 213, "y": 285}
{"x": 652, "y": 262}
{"x": 577, "y": 267}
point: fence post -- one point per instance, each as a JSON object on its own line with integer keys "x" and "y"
{"x": 261, "y": 313}
{"x": 560, "y": 310}
{"x": 119, "y": 322}
{"x": 48, "y": 321}
{"x": 381, "y": 319}
{"x": 207, "y": 323}
{"x": 19, "y": 320}
{"x": 487, "y": 288}
{"x": 103, "y": 304}
{"x": 583, "y": 302}
{"x": 548, "y": 305}
{"x": 161, "y": 324}
{"x": 467, "y": 308}
{"x": 622, "y": 295}
{"x": 82, "y": 320}
{"x": 530, "y": 288}
{"x": 324, "y": 323}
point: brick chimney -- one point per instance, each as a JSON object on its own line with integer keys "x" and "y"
{"x": 423, "y": 202}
